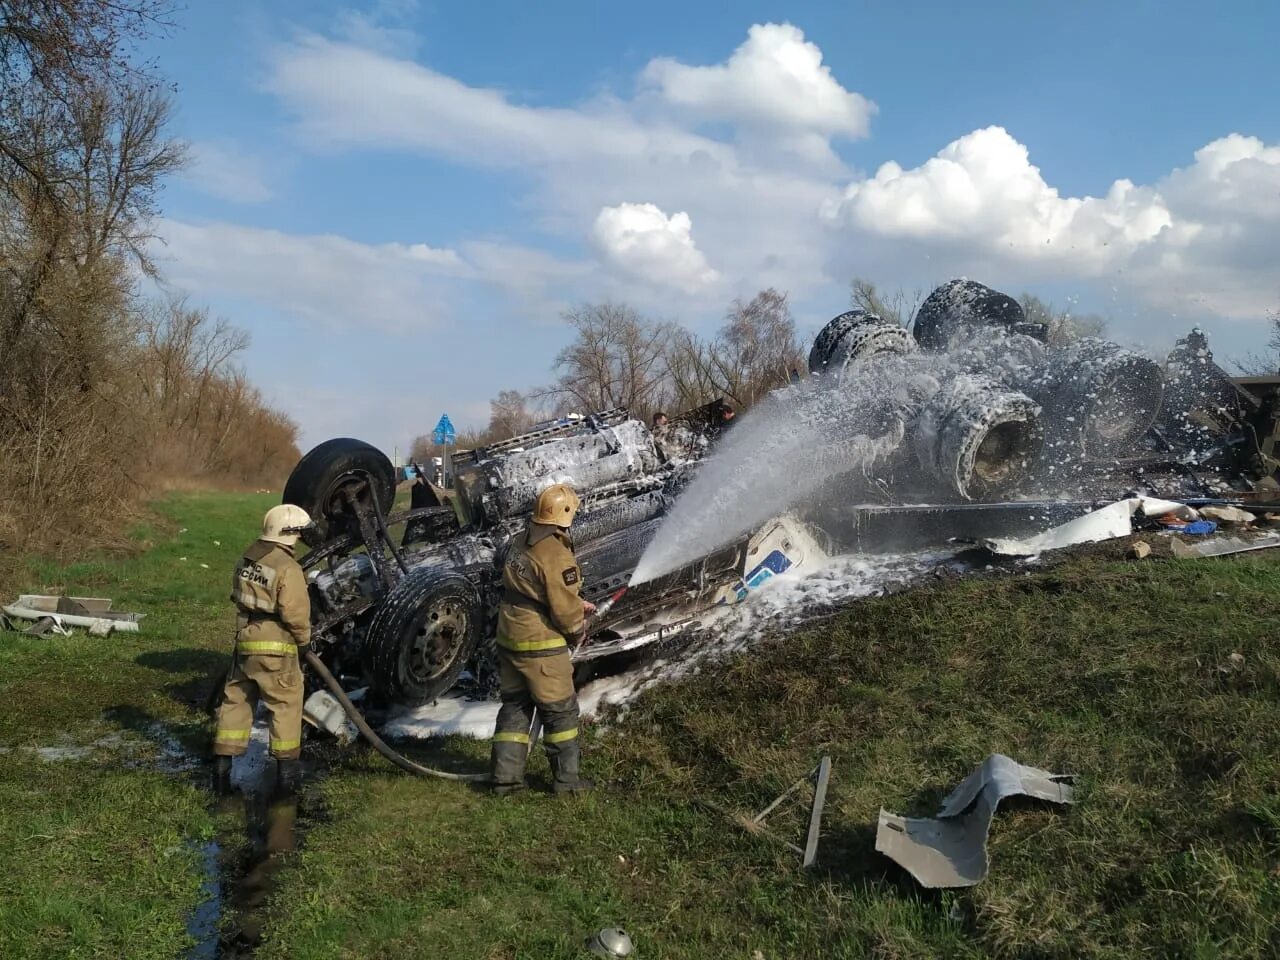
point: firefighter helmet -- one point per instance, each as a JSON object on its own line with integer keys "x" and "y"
{"x": 284, "y": 523}
{"x": 610, "y": 942}
{"x": 557, "y": 505}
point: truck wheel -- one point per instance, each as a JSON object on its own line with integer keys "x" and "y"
{"x": 422, "y": 636}
{"x": 320, "y": 477}
{"x": 853, "y": 336}
{"x": 978, "y": 438}
{"x": 964, "y": 303}
{"x": 1099, "y": 399}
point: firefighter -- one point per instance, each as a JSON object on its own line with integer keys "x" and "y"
{"x": 541, "y": 612}
{"x": 273, "y": 627}
{"x": 661, "y": 430}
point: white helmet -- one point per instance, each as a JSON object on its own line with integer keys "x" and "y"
{"x": 282, "y": 524}
{"x": 610, "y": 942}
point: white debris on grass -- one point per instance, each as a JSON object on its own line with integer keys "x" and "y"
{"x": 56, "y": 754}
{"x": 155, "y": 747}
{"x": 447, "y": 716}
{"x": 1108, "y": 523}
{"x": 785, "y": 600}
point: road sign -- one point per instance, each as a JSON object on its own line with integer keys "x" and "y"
{"x": 444, "y": 435}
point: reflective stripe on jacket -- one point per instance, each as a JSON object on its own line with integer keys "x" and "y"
{"x": 269, "y": 590}
{"x": 542, "y": 603}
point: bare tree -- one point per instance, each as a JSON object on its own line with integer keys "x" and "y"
{"x": 1264, "y": 364}
{"x": 1063, "y": 325}
{"x": 508, "y": 415}
{"x": 897, "y": 307}
{"x": 91, "y": 390}
{"x": 754, "y": 352}
{"x": 614, "y": 360}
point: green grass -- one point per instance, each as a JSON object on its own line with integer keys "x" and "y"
{"x": 1121, "y": 672}
{"x": 100, "y": 858}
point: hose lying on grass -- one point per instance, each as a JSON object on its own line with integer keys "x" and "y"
{"x": 401, "y": 761}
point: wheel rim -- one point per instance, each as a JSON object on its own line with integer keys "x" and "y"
{"x": 436, "y": 639}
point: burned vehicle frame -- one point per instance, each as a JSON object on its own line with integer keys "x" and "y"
{"x": 411, "y": 614}
{"x": 1006, "y": 421}
{"x": 1005, "y": 412}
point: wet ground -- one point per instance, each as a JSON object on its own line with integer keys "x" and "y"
{"x": 259, "y": 830}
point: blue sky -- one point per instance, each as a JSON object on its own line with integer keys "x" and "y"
{"x": 398, "y": 199}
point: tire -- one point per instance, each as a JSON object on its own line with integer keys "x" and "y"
{"x": 409, "y": 627}
{"x": 854, "y": 336}
{"x": 1099, "y": 399}
{"x": 964, "y": 303}
{"x": 978, "y": 438}
{"x": 326, "y": 469}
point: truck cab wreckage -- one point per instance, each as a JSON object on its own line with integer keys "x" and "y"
{"x": 981, "y": 412}
{"x": 408, "y": 614}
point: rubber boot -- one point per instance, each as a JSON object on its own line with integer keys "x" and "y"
{"x": 288, "y": 776}
{"x": 506, "y": 766}
{"x": 222, "y": 776}
{"x": 564, "y": 769}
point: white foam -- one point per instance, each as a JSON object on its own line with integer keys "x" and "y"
{"x": 784, "y": 601}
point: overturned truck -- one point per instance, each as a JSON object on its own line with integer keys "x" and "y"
{"x": 974, "y": 404}
{"x": 412, "y": 612}
{"x": 990, "y": 408}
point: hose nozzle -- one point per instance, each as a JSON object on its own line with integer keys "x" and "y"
{"x": 607, "y": 605}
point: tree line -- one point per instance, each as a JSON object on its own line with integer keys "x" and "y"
{"x": 106, "y": 395}
{"x": 618, "y": 357}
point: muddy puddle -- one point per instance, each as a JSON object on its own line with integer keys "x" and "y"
{"x": 259, "y": 831}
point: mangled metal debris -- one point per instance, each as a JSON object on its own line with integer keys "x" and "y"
{"x": 1222, "y": 546}
{"x": 323, "y": 711}
{"x": 56, "y": 614}
{"x": 610, "y": 942}
{"x": 951, "y": 849}
{"x": 1112, "y": 521}
{"x": 820, "y": 777}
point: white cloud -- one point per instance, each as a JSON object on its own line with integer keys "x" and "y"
{"x": 755, "y": 207}
{"x": 774, "y": 85}
{"x": 983, "y": 189}
{"x": 1202, "y": 236}
{"x": 227, "y": 172}
{"x": 743, "y": 149}
{"x": 343, "y": 93}
{"x": 642, "y": 242}
{"x": 325, "y": 278}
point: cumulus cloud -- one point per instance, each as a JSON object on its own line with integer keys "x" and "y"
{"x": 755, "y": 207}
{"x": 983, "y": 188}
{"x": 774, "y": 85}
{"x": 1200, "y": 234}
{"x": 720, "y": 144}
{"x": 642, "y": 242}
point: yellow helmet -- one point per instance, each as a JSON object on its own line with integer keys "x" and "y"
{"x": 282, "y": 524}
{"x": 557, "y": 505}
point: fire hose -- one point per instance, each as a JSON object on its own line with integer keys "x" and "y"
{"x": 399, "y": 759}
{"x": 356, "y": 717}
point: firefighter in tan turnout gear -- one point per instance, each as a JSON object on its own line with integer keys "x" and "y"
{"x": 542, "y": 612}
{"x": 273, "y": 626}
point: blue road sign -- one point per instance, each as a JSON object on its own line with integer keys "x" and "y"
{"x": 444, "y": 434}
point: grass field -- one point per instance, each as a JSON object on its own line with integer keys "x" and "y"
{"x": 1122, "y": 672}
